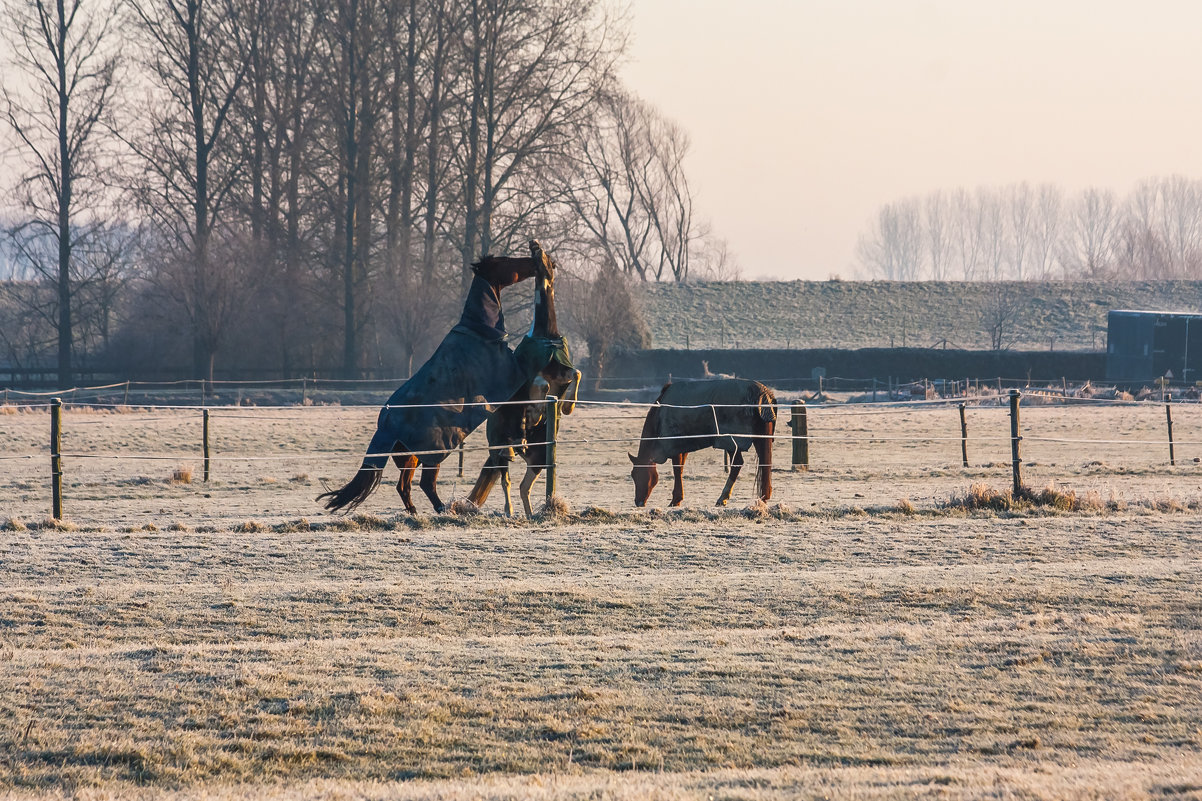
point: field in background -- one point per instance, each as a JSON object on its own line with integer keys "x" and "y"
{"x": 208, "y": 640}
{"x": 876, "y": 314}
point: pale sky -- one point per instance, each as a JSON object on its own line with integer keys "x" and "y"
{"x": 806, "y": 116}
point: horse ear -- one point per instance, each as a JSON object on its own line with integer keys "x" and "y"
{"x": 632, "y": 459}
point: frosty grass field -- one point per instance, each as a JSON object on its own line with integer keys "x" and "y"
{"x": 861, "y": 636}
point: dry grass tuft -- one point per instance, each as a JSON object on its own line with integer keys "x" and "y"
{"x": 556, "y": 508}
{"x": 54, "y": 524}
{"x": 300, "y": 478}
{"x": 14, "y": 524}
{"x": 178, "y": 527}
{"x": 1054, "y": 498}
{"x": 250, "y": 527}
{"x": 905, "y": 507}
{"x": 1168, "y": 505}
{"x": 781, "y": 511}
{"x": 597, "y": 514}
{"x": 756, "y": 510}
{"x": 368, "y": 522}
{"x": 463, "y": 508}
{"x": 982, "y": 497}
{"x": 182, "y": 475}
{"x": 8, "y": 408}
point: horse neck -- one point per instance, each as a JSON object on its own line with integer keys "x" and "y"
{"x": 649, "y": 439}
{"x": 544, "y": 324}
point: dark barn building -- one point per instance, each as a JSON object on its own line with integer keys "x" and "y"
{"x": 1142, "y": 346}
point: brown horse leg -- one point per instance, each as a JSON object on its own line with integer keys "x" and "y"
{"x": 493, "y": 467}
{"x": 527, "y": 483}
{"x": 763, "y": 450}
{"x": 678, "y": 479}
{"x": 428, "y": 485}
{"x": 404, "y": 484}
{"x": 506, "y": 485}
{"x": 736, "y": 464}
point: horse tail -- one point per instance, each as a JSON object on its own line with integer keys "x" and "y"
{"x": 765, "y": 428}
{"x": 355, "y": 491}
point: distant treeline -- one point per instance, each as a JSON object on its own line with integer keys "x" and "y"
{"x": 1022, "y": 232}
{"x": 305, "y": 184}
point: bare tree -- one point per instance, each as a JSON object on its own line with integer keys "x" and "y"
{"x": 65, "y": 53}
{"x": 1091, "y": 228}
{"x": 892, "y": 248}
{"x": 999, "y": 315}
{"x": 1046, "y": 231}
{"x": 193, "y": 51}
{"x": 278, "y": 125}
{"x": 628, "y": 189}
{"x": 936, "y": 219}
{"x": 530, "y": 71}
{"x": 602, "y": 310}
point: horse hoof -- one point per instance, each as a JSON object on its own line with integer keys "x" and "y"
{"x": 721, "y": 502}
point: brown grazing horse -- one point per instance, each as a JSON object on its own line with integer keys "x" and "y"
{"x": 731, "y": 414}
{"x": 521, "y": 426}
{"x": 450, "y": 395}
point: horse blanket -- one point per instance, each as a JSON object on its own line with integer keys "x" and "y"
{"x": 716, "y": 413}
{"x": 432, "y": 411}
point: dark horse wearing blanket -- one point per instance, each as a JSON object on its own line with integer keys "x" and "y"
{"x": 432, "y": 413}
{"x": 521, "y": 425}
{"x": 730, "y": 414}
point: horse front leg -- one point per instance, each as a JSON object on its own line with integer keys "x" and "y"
{"x": 404, "y": 485}
{"x": 736, "y": 464}
{"x": 428, "y": 485}
{"x": 678, "y": 479}
{"x": 528, "y": 482}
{"x": 568, "y": 404}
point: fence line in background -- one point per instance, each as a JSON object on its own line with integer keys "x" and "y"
{"x": 800, "y": 438}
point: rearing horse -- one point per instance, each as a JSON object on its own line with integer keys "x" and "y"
{"x": 450, "y": 395}
{"x": 521, "y": 425}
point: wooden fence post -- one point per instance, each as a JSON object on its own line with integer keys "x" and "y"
{"x": 1168, "y": 413}
{"x": 552, "y": 434}
{"x": 1015, "y": 455}
{"x": 801, "y": 434}
{"x": 126, "y": 393}
{"x": 205, "y": 445}
{"x": 461, "y": 460}
{"x": 963, "y": 436}
{"x": 56, "y": 457}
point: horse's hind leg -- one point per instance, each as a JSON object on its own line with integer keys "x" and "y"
{"x": 527, "y": 483}
{"x": 505, "y": 487}
{"x": 736, "y": 464}
{"x": 428, "y": 484}
{"x": 404, "y": 485}
{"x": 496, "y": 462}
{"x": 678, "y": 479}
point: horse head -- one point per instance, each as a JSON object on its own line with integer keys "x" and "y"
{"x": 503, "y": 271}
{"x": 545, "y": 266}
{"x": 645, "y": 476}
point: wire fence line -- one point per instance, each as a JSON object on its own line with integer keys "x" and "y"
{"x": 626, "y": 412}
